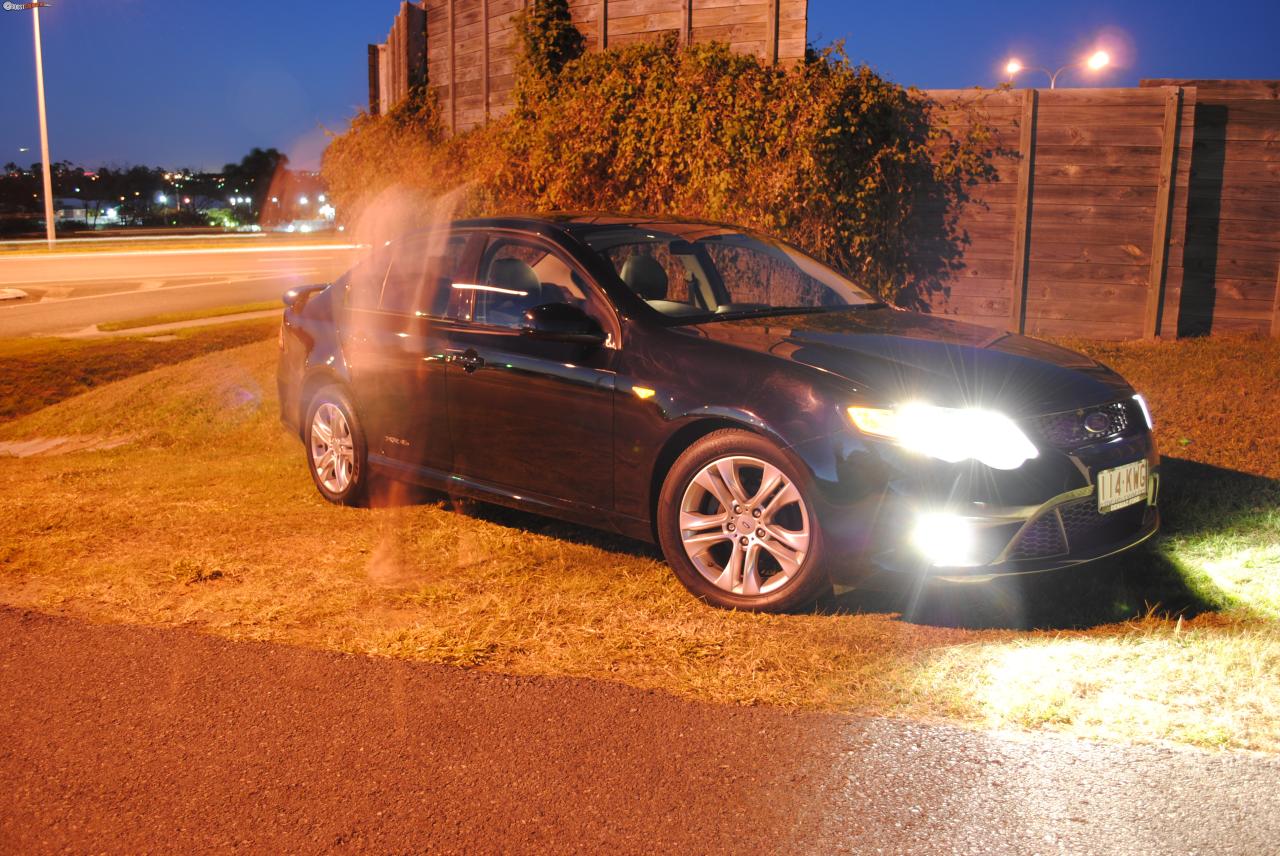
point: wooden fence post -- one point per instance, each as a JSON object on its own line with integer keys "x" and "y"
{"x": 771, "y": 49}
{"x": 484, "y": 57}
{"x": 375, "y": 94}
{"x": 604, "y": 24}
{"x": 1164, "y": 210}
{"x": 1275, "y": 308}
{"x": 686, "y": 22}
{"x": 1022, "y": 217}
{"x": 453, "y": 72}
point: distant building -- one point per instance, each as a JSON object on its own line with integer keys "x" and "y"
{"x": 463, "y": 49}
{"x": 92, "y": 212}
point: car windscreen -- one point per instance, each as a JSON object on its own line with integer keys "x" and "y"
{"x": 698, "y": 272}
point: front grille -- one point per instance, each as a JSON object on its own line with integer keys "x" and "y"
{"x": 1085, "y": 529}
{"x": 1042, "y": 538}
{"x": 1068, "y": 430}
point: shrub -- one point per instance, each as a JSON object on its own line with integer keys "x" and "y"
{"x": 827, "y": 154}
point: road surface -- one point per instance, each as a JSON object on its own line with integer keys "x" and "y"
{"x": 132, "y": 740}
{"x": 72, "y": 291}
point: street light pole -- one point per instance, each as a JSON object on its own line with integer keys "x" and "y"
{"x": 44, "y": 128}
{"x": 1096, "y": 61}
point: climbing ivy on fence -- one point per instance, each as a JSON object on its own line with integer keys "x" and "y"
{"x": 827, "y": 154}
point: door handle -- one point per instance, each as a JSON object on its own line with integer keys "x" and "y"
{"x": 469, "y": 360}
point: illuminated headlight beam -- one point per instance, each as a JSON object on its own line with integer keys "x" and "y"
{"x": 948, "y": 433}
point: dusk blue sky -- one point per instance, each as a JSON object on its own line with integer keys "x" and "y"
{"x": 182, "y": 83}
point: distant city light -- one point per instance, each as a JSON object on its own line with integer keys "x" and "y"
{"x": 327, "y": 211}
{"x": 275, "y": 199}
{"x": 162, "y": 199}
{"x": 1098, "y": 60}
{"x": 302, "y": 200}
{"x": 321, "y": 197}
{"x": 186, "y": 200}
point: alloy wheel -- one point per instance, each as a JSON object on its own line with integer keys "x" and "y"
{"x": 744, "y": 525}
{"x": 333, "y": 451}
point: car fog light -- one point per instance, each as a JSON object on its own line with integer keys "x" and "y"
{"x": 945, "y": 540}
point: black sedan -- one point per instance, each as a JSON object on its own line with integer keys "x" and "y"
{"x": 771, "y": 425}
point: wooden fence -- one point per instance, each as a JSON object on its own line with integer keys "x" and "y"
{"x": 464, "y": 49}
{"x": 1232, "y": 256}
{"x": 1120, "y": 213}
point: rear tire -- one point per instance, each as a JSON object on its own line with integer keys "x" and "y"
{"x": 737, "y": 523}
{"x": 337, "y": 453}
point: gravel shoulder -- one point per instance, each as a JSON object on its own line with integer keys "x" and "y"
{"x": 127, "y": 739}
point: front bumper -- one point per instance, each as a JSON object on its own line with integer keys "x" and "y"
{"x": 1063, "y": 532}
{"x": 1042, "y": 517}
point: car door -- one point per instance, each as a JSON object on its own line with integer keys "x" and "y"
{"x": 529, "y": 416}
{"x": 394, "y": 342}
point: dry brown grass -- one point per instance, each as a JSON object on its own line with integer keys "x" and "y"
{"x": 208, "y": 518}
{"x": 37, "y": 372}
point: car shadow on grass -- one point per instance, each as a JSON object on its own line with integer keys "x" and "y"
{"x": 1197, "y": 501}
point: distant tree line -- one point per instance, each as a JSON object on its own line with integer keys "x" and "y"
{"x": 146, "y": 195}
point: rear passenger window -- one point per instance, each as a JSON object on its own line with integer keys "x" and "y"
{"x": 420, "y": 275}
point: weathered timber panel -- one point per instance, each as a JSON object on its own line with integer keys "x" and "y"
{"x": 1086, "y": 211}
{"x": 1232, "y": 253}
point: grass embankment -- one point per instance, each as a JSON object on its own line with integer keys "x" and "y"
{"x": 208, "y": 518}
{"x": 37, "y": 372}
{"x": 193, "y": 315}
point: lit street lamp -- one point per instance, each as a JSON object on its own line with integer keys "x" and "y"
{"x": 44, "y": 122}
{"x": 1096, "y": 61}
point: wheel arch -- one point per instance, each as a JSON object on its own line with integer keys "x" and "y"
{"x": 684, "y": 437}
{"x": 315, "y": 380}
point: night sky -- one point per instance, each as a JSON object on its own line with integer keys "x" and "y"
{"x": 178, "y": 83}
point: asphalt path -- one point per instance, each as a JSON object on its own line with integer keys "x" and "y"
{"x": 133, "y": 740}
{"x": 72, "y": 291}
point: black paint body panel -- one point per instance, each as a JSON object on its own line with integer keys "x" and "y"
{"x": 559, "y": 428}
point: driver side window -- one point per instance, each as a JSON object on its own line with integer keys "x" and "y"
{"x": 518, "y": 275}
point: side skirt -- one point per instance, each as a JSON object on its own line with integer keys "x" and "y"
{"x": 585, "y": 515}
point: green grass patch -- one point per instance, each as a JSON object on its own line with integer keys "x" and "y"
{"x": 207, "y": 518}
{"x": 192, "y": 315}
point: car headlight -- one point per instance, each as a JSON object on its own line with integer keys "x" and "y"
{"x": 949, "y": 433}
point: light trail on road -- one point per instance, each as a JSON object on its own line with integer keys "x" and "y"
{"x": 70, "y": 292}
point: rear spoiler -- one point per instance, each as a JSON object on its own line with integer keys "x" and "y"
{"x": 294, "y": 298}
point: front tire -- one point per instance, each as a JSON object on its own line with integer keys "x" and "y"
{"x": 337, "y": 453}
{"x": 737, "y": 523}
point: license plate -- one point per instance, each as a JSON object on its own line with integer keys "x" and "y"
{"x": 1122, "y": 486}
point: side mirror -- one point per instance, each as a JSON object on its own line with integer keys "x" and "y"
{"x": 561, "y": 322}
